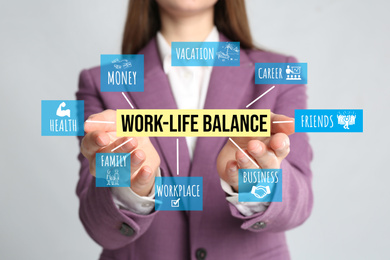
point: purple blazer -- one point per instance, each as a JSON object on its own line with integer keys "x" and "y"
{"x": 219, "y": 231}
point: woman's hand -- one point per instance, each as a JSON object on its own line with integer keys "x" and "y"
{"x": 267, "y": 152}
{"x": 101, "y": 138}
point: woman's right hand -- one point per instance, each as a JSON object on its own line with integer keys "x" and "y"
{"x": 101, "y": 138}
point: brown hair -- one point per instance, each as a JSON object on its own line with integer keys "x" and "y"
{"x": 143, "y": 22}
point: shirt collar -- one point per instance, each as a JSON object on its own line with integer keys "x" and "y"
{"x": 165, "y": 50}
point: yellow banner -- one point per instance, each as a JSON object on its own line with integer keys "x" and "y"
{"x": 193, "y": 122}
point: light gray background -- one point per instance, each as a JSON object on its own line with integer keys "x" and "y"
{"x": 44, "y": 45}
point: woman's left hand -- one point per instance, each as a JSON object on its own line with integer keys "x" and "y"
{"x": 266, "y": 152}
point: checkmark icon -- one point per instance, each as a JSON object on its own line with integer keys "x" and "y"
{"x": 175, "y": 203}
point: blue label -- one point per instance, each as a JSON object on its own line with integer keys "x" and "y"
{"x": 121, "y": 73}
{"x": 179, "y": 193}
{"x": 281, "y": 73}
{"x": 329, "y": 120}
{"x": 205, "y": 54}
{"x": 62, "y": 117}
{"x": 260, "y": 185}
{"x": 113, "y": 170}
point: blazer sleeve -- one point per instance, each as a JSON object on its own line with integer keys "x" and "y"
{"x": 101, "y": 218}
{"x": 297, "y": 200}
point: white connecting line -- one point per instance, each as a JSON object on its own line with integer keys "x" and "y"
{"x": 251, "y": 103}
{"x": 100, "y": 122}
{"x": 274, "y": 122}
{"x": 177, "y": 156}
{"x": 281, "y": 122}
{"x": 122, "y": 144}
{"x": 239, "y": 148}
{"x": 128, "y": 101}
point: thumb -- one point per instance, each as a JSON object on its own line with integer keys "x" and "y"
{"x": 143, "y": 181}
{"x": 230, "y": 174}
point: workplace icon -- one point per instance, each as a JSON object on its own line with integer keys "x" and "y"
{"x": 178, "y": 193}
{"x": 175, "y": 203}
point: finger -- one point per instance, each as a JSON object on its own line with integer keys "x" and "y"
{"x": 231, "y": 174}
{"x": 244, "y": 161}
{"x": 92, "y": 142}
{"x": 265, "y": 157}
{"x": 143, "y": 181}
{"x": 280, "y": 144}
{"x": 285, "y": 127}
{"x": 137, "y": 159}
{"x": 94, "y": 122}
{"x": 122, "y": 145}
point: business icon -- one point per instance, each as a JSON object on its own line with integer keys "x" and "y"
{"x": 329, "y": 120}
{"x": 113, "y": 170}
{"x": 62, "y": 118}
{"x": 260, "y": 185}
{"x": 281, "y": 73}
{"x": 205, "y": 53}
{"x": 179, "y": 193}
{"x": 121, "y": 73}
{"x": 260, "y": 191}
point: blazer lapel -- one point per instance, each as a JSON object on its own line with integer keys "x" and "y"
{"x": 158, "y": 95}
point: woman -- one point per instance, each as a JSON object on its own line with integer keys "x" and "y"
{"x": 123, "y": 220}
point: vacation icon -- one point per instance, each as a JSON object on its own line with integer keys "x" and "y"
{"x": 121, "y": 64}
{"x": 293, "y": 73}
{"x": 260, "y": 191}
{"x": 225, "y": 56}
{"x": 346, "y": 120}
{"x": 62, "y": 113}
